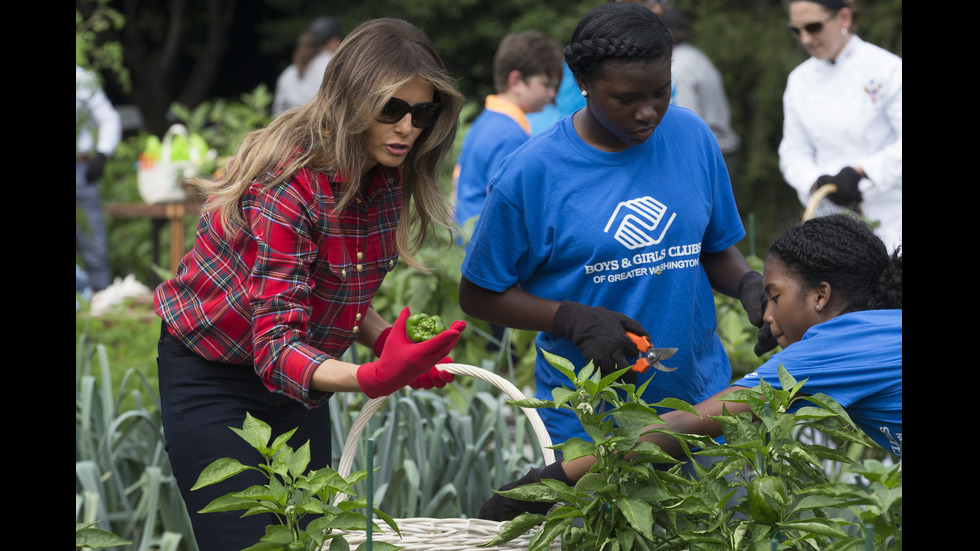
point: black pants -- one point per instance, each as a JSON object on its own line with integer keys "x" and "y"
{"x": 200, "y": 400}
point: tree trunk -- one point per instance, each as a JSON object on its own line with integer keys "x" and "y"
{"x": 154, "y": 52}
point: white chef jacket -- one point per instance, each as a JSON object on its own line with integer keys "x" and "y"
{"x": 848, "y": 113}
{"x": 97, "y": 124}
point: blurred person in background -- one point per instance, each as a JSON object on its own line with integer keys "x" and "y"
{"x": 842, "y": 117}
{"x": 697, "y": 85}
{"x": 97, "y": 133}
{"x": 299, "y": 82}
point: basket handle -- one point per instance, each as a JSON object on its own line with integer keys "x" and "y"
{"x": 540, "y": 431}
{"x": 819, "y": 195}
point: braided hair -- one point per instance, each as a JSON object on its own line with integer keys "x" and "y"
{"x": 843, "y": 251}
{"x": 616, "y": 31}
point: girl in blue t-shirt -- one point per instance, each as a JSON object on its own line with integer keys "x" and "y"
{"x": 835, "y": 308}
{"x": 618, "y": 218}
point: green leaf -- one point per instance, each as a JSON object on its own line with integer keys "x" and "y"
{"x": 299, "y": 460}
{"x": 515, "y": 529}
{"x": 817, "y": 526}
{"x": 561, "y": 364}
{"x": 338, "y": 543}
{"x": 378, "y": 513}
{"x": 575, "y": 447}
{"x": 96, "y": 538}
{"x": 551, "y": 530}
{"x": 348, "y": 521}
{"x": 218, "y": 470}
{"x": 633, "y": 418}
{"x": 228, "y": 503}
{"x": 265, "y": 546}
{"x": 532, "y": 403}
{"x": 278, "y": 534}
{"x": 262, "y": 493}
{"x": 639, "y": 514}
{"x": 536, "y": 492}
{"x": 281, "y": 440}
{"x": 256, "y": 432}
{"x": 561, "y": 395}
{"x": 678, "y": 404}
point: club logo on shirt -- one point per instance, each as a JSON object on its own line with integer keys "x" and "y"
{"x": 641, "y": 226}
{"x": 873, "y": 89}
{"x": 639, "y": 222}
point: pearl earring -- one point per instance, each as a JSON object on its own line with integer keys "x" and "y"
{"x": 843, "y": 32}
{"x": 585, "y": 94}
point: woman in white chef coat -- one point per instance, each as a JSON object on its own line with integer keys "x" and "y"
{"x": 842, "y": 120}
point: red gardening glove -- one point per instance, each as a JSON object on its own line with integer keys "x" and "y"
{"x": 435, "y": 378}
{"x": 403, "y": 361}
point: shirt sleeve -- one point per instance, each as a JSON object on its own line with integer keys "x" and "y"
{"x": 499, "y": 252}
{"x": 280, "y": 286}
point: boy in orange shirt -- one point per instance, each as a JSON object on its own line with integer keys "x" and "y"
{"x": 527, "y": 70}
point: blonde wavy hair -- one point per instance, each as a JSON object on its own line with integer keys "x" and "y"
{"x": 328, "y": 134}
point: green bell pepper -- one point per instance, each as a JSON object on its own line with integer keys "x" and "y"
{"x": 767, "y": 495}
{"x": 422, "y": 327}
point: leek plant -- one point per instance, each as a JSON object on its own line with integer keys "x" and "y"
{"x": 123, "y": 482}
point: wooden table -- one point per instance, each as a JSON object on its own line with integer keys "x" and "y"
{"x": 172, "y": 214}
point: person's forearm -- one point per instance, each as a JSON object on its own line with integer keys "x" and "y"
{"x": 513, "y": 307}
{"x": 371, "y": 327}
{"x": 335, "y": 376}
{"x": 725, "y": 269}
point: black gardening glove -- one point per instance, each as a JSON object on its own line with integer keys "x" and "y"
{"x": 847, "y": 194}
{"x": 499, "y": 508}
{"x": 600, "y": 335}
{"x": 96, "y": 166}
{"x": 752, "y": 294}
{"x": 766, "y": 341}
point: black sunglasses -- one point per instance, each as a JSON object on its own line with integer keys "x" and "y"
{"x": 424, "y": 115}
{"x": 810, "y": 28}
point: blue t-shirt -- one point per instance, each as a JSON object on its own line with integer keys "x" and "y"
{"x": 623, "y": 230}
{"x": 492, "y": 136}
{"x": 856, "y": 359}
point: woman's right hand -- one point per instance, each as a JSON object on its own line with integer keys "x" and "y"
{"x": 402, "y": 361}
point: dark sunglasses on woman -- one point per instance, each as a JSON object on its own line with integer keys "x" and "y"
{"x": 810, "y": 28}
{"x": 424, "y": 115}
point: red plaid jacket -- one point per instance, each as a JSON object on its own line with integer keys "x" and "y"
{"x": 290, "y": 292}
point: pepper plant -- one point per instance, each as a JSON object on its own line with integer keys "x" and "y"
{"x": 761, "y": 489}
{"x": 292, "y": 494}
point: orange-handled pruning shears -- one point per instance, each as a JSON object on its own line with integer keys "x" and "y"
{"x": 650, "y": 356}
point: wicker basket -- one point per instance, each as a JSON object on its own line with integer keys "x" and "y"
{"x": 437, "y": 534}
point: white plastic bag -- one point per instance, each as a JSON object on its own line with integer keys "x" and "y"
{"x": 159, "y": 180}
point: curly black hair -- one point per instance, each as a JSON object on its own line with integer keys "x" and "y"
{"x": 845, "y": 252}
{"x": 616, "y": 31}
